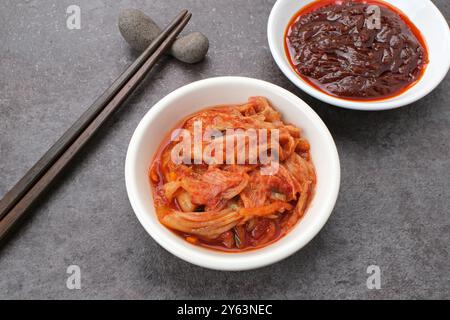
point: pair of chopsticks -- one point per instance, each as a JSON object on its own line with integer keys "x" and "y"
{"x": 15, "y": 203}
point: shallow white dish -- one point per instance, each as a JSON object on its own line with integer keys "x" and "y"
{"x": 423, "y": 13}
{"x": 184, "y": 101}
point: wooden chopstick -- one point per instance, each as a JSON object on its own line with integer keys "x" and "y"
{"x": 21, "y": 187}
{"x": 28, "y": 189}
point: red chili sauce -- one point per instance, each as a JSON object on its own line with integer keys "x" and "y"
{"x": 356, "y": 50}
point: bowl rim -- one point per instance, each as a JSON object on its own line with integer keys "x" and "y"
{"x": 209, "y": 258}
{"x": 378, "y": 105}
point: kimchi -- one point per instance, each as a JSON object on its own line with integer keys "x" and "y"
{"x": 233, "y": 177}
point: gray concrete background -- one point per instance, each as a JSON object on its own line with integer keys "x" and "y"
{"x": 393, "y": 208}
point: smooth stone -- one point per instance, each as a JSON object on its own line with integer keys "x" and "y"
{"x": 139, "y": 30}
{"x": 191, "y": 48}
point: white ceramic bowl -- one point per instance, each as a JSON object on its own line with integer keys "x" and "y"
{"x": 423, "y": 13}
{"x": 193, "y": 97}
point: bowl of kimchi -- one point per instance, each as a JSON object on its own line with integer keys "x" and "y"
{"x": 230, "y": 215}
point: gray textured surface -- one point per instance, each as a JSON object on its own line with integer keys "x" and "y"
{"x": 393, "y": 209}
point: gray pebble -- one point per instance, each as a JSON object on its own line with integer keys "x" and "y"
{"x": 139, "y": 30}
{"x": 191, "y": 48}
